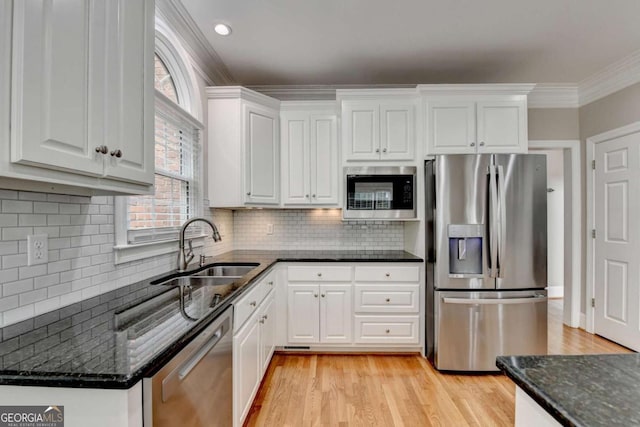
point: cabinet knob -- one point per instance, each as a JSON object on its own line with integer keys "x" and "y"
{"x": 252, "y": 303}
{"x": 102, "y": 149}
{"x": 323, "y": 295}
{"x": 116, "y": 153}
{"x": 261, "y": 320}
{"x": 384, "y": 150}
{"x": 248, "y": 193}
{"x": 473, "y": 144}
{"x": 315, "y": 295}
{"x": 481, "y": 143}
{"x": 270, "y": 283}
{"x": 306, "y": 195}
{"x": 313, "y": 195}
{"x": 387, "y": 274}
{"x": 377, "y": 150}
{"x": 388, "y": 299}
{"x": 319, "y": 274}
{"x": 265, "y": 317}
{"x": 388, "y": 331}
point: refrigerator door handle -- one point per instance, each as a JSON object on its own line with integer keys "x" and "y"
{"x": 502, "y": 231}
{"x": 493, "y": 222}
{"x": 494, "y": 301}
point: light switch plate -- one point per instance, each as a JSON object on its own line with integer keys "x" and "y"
{"x": 37, "y": 249}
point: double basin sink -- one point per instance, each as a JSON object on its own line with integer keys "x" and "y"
{"x": 212, "y": 275}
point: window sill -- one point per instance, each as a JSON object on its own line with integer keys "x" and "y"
{"x": 129, "y": 253}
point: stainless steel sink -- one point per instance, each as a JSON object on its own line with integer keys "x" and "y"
{"x": 221, "y": 274}
{"x": 237, "y": 270}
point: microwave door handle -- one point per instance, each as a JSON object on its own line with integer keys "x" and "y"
{"x": 493, "y": 208}
{"x": 503, "y": 221}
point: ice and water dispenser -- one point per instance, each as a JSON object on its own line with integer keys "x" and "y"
{"x": 465, "y": 250}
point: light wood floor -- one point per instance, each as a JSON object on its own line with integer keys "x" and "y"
{"x": 381, "y": 390}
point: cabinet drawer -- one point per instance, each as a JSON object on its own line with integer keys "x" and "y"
{"x": 245, "y": 307}
{"x": 319, "y": 274}
{"x": 387, "y": 298}
{"x": 387, "y": 274}
{"x": 387, "y": 329}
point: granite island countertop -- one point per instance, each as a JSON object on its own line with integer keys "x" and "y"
{"x": 584, "y": 390}
{"x": 104, "y": 341}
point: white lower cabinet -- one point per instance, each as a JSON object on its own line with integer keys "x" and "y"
{"x": 377, "y": 304}
{"x": 253, "y": 344}
{"x": 319, "y": 313}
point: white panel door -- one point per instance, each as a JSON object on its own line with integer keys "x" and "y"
{"x": 324, "y": 159}
{"x": 361, "y": 130}
{"x": 53, "y": 88}
{"x": 451, "y": 127}
{"x": 246, "y": 368}
{"x": 336, "y": 314}
{"x": 129, "y": 133}
{"x": 261, "y": 150}
{"x": 502, "y": 126}
{"x": 617, "y": 245}
{"x": 397, "y": 131}
{"x": 303, "y": 325}
{"x": 295, "y": 158}
{"x": 268, "y": 332}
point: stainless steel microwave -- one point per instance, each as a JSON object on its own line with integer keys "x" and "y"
{"x": 380, "y": 192}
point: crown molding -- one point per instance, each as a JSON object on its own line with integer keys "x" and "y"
{"x": 240, "y": 92}
{"x": 207, "y": 62}
{"x": 550, "y": 95}
{"x": 613, "y": 78}
{"x": 329, "y": 105}
{"x": 321, "y": 92}
{"x": 476, "y": 89}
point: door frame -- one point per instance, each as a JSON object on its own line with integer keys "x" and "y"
{"x": 591, "y": 176}
{"x": 571, "y": 312}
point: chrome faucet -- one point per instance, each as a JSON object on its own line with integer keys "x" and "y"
{"x": 184, "y": 257}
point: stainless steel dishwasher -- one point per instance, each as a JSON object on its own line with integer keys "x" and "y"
{"x": 195, "y": 388}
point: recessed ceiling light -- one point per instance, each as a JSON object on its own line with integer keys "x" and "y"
{"x": 222, "y": 29}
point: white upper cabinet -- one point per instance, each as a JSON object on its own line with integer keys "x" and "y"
{"x": 378, "y": 125}
{"x": 475, "y": 118}
{"x": 309, "y": 154}
{"x": 243, "y": 147}
{"x": 82, "y": 95}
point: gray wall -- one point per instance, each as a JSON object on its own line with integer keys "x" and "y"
{"x": 553, "y": 124}
{"x": 616, "y": 110}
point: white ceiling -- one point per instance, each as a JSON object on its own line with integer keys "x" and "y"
{"x": 307, "y": 42}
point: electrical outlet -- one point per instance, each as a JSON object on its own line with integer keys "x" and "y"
{"x": 37, "y": 249}
{"x": 269, "y": 228}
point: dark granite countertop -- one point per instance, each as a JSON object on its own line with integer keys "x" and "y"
{"x": 585, "y": 390}
{"x": 115, "y": 339}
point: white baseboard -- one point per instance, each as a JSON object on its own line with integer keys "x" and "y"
{"x": 555, "y": 291}
{"x": 583, "y": 321}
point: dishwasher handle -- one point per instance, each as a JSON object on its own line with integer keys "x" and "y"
{"x": 495, "y": 301}
{"x": 171, "y": 382}
{"x": 200, "y": 354}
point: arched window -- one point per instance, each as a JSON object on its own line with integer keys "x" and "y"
{"x": 177, "y": 197}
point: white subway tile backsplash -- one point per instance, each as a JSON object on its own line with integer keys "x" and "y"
{"x": 8, "y": 195}
{"x": 16, "y": 233}
{"x": 17, "y": 287}
{"x": 16, "y": 206}
{"x": 33, "y": 296}
{"x": 8, "y": 220}
{"x": 32, "y": 219}
{"x": 8, "y": 303}
{"x": 45, "y": 207}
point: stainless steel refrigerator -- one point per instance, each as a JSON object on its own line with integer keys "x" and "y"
{"x": 486, "y": 226}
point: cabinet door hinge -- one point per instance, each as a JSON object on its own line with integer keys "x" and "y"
{"x": 593, "y": 233}
{"x": 593, "y": 302}
{"x": 593, "y": 164}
